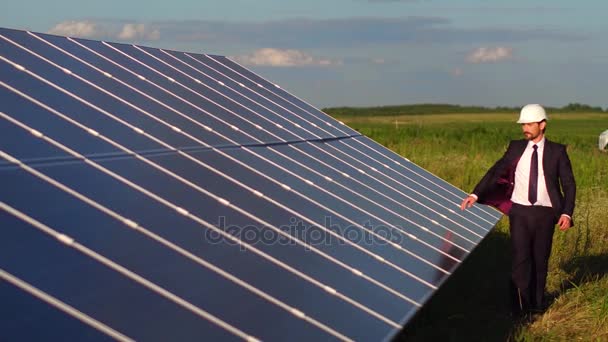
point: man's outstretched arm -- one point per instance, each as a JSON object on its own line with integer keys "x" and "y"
{"x": 485, "y": 182}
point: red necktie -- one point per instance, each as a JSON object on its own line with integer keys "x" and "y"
{"x": 533, "y": 183}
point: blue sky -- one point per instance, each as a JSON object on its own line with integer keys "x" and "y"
{"x": 367, "y": 52}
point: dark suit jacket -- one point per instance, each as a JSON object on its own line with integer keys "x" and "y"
{"x": 496, "y": 187}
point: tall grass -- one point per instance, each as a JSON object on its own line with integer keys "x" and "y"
{"x": 473, "y": 303}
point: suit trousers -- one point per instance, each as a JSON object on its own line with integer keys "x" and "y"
{"x": 531, "y": 230}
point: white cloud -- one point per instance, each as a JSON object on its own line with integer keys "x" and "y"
{"x": 283, "y": 58}
{"x": 138, "y": 32}
{"x": 82, "y": 29}
{"x": 457, "y": 72}
{"x": 110, "y": 30}
{"x": 490, "y": 54}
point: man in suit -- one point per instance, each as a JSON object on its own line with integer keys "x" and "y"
{"x": 525, "y": 185}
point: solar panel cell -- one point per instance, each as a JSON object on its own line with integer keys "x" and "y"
{"x": 91, "y": 287}
{"x": 20, "y": 309}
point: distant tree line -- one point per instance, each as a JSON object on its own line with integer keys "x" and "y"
{"x": 430, "y": 108}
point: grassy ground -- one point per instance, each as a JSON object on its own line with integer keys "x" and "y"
{"x": 473, "y": 303}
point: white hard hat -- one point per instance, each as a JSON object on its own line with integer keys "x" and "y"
{"x": 532, "y": 113}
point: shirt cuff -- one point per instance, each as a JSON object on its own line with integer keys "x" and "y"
{"x": 474, "y": 196}
{"x": 568, "y": 216}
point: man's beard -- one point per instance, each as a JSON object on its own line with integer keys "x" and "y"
{"x": 530, "y": 136}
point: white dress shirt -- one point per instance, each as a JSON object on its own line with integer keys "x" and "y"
{"x": 522, "y": 177}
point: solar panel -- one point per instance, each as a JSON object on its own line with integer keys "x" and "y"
{"x": 161, "y": 195}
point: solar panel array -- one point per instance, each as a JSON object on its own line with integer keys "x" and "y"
{"x": 159, "y": 195}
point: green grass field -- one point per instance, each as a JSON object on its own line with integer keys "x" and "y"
{"x": 473, "y": 303}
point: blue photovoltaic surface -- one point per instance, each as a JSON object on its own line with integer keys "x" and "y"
{"x": 160, "y": 195}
